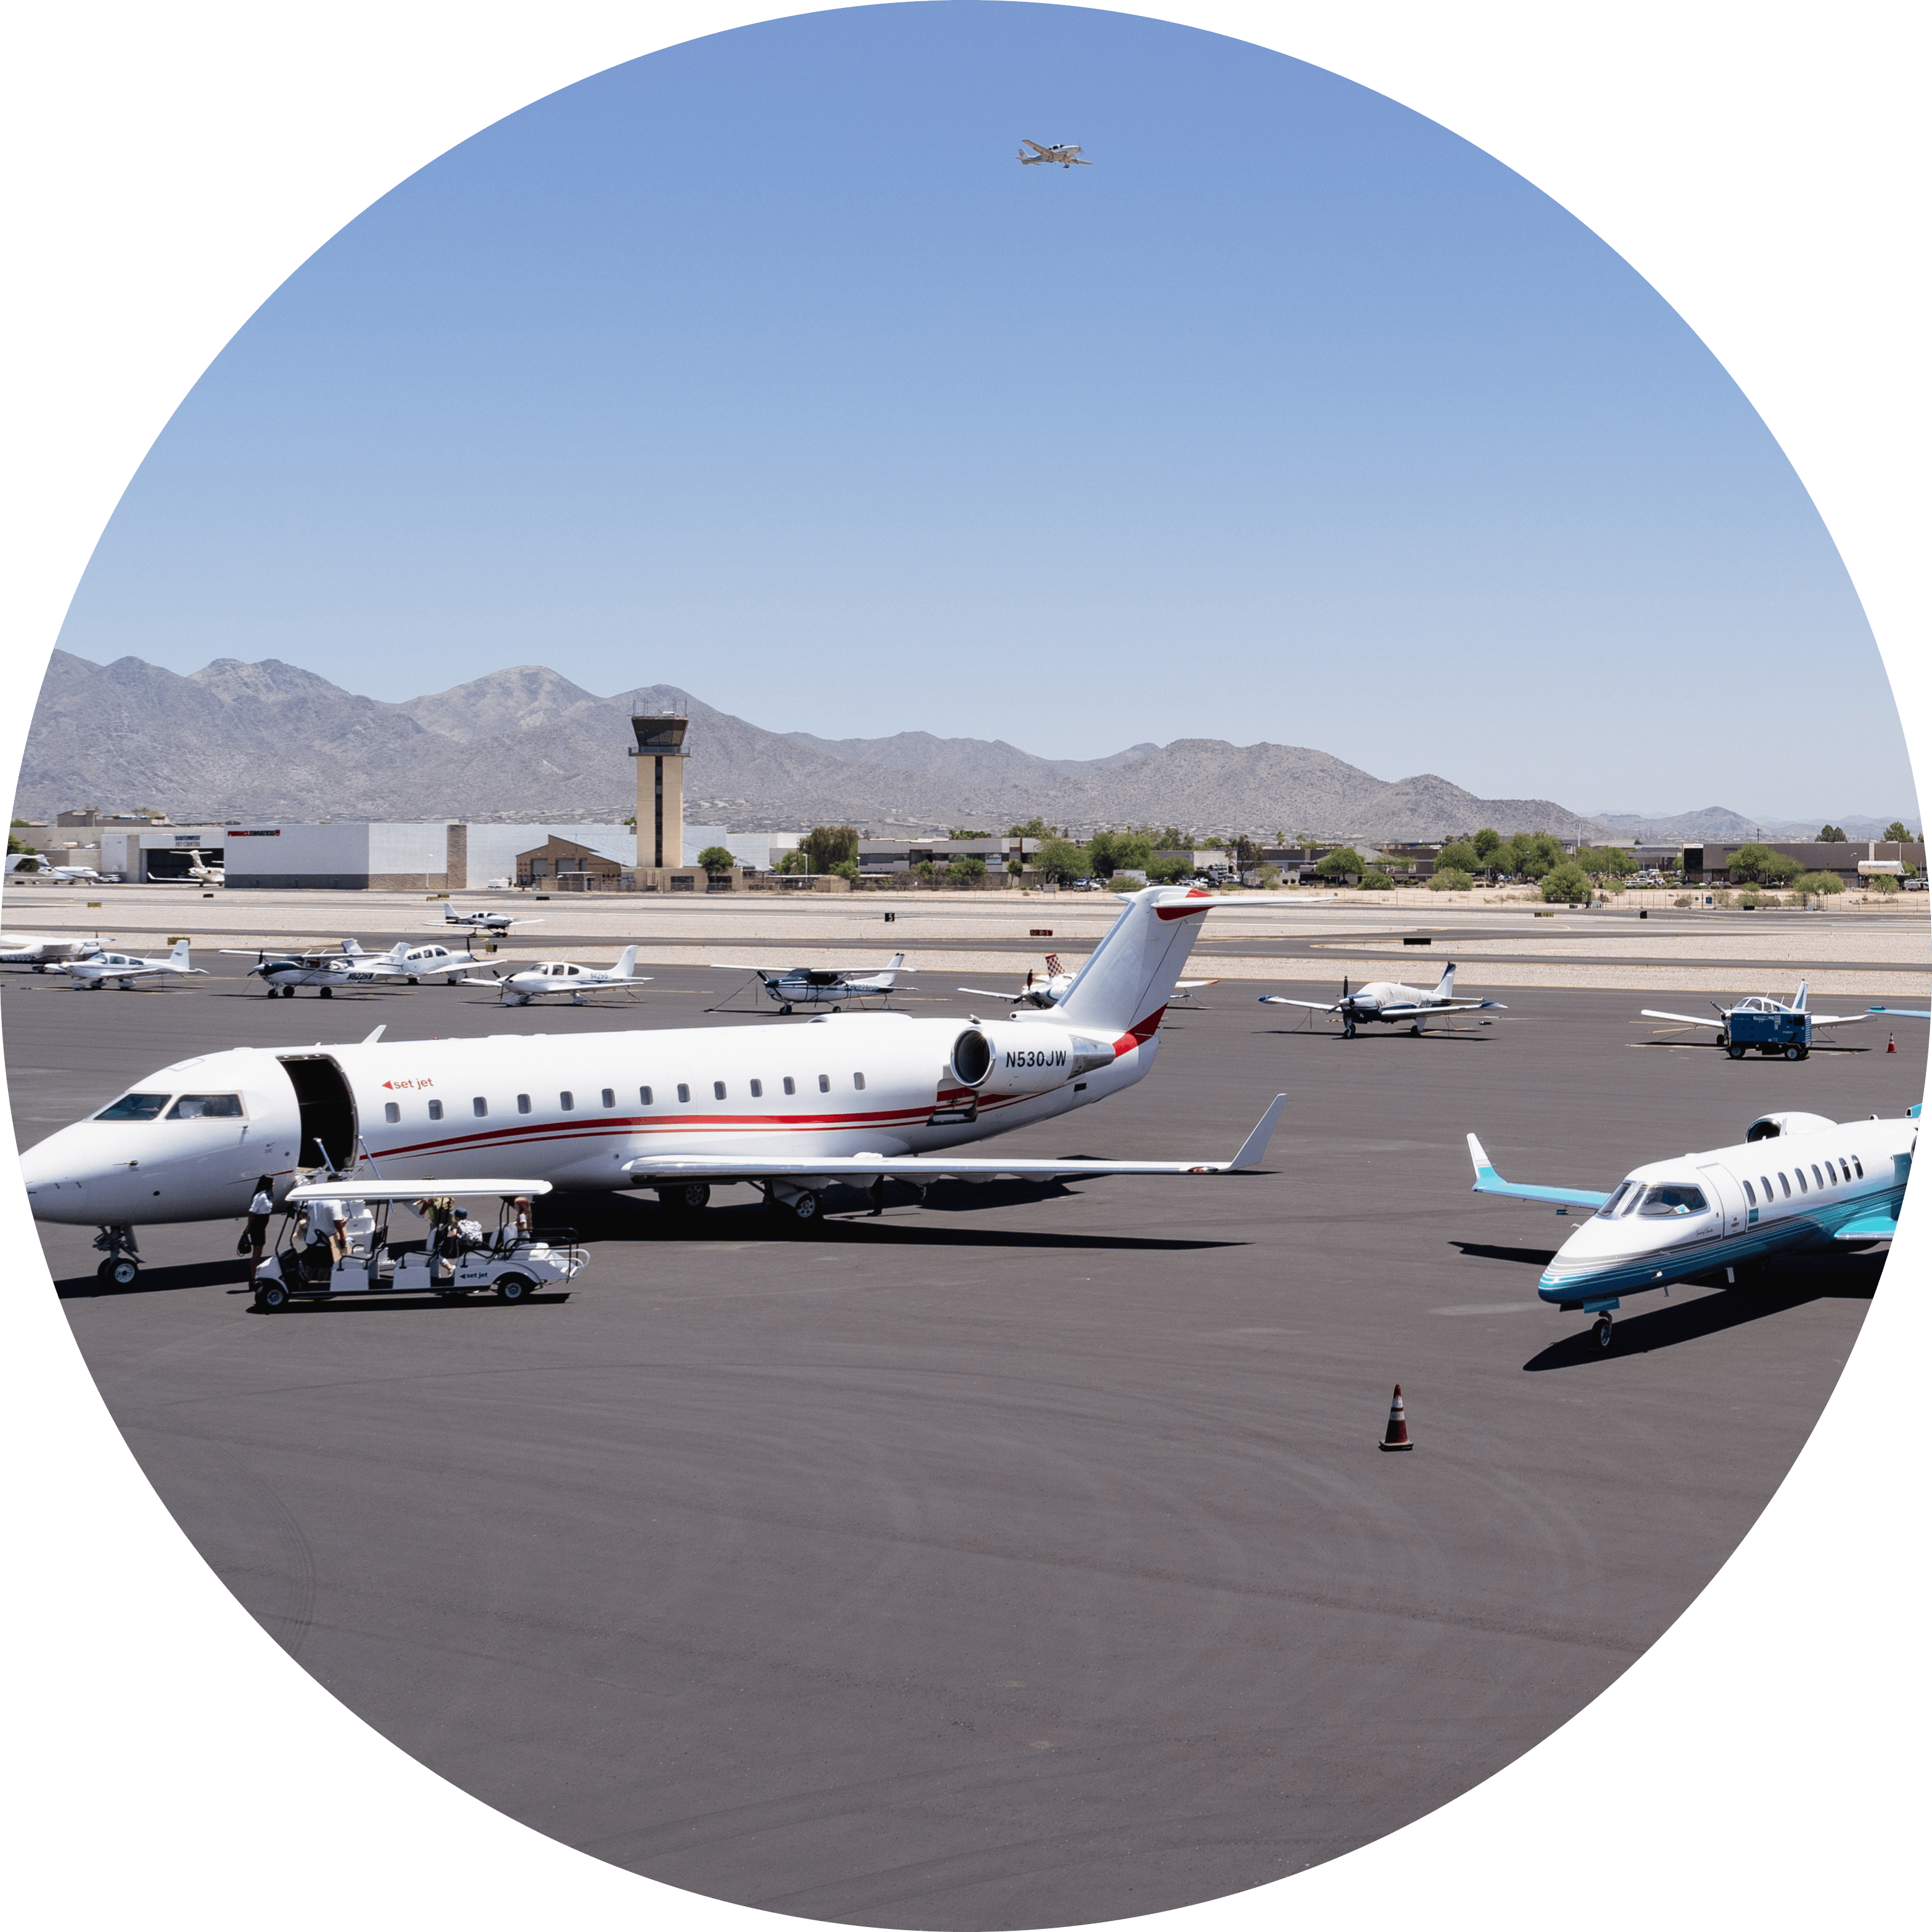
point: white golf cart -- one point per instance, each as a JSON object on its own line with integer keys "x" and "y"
{"x": 457, "y": 1257}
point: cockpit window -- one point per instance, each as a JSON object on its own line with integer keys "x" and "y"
{"x": 199, "y": 1106}
{"x": 134, "y": 1107}
{"x": 1609, "y": 1207}
{"x": 1672, "y": 1199}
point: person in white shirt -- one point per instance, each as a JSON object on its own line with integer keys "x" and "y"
{"x": 259, "y": 1209}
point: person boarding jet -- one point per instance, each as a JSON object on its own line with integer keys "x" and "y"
{"x": 1392, "y": 1003}
{"x": 91, "y": 974}
{"x": 879, "y": 1097}
{"x": 1796, "y": 1181}
{"x": 826, "y": 985}
{"x": 552, "y": 977}
{"x": 1045, "y": 154}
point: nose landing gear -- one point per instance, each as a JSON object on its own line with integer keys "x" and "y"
{"x": 1600, "y": 1334}
{"x": 122, "y": 1267}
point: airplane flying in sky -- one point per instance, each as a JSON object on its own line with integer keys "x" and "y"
{"x": 1767, "y": 1024}
{"x": 549, "y": 977}
{"x": 347, "y": 967}
{"x": 859, "y": 1099}
{"x": 1044, "y": 155}
{"x": 484, "y": 920}
{"x": 1392, "y": 1003}
{"x": 827, "y": 985}
{"x": 1051, "y": 989}
{"x": 43, "y": 952}
{"x": 91, "y": 974}
{"x": 1796, "y": 1181}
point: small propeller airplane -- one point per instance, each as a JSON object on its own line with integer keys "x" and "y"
{"x": 549, "y": 977}
{"x": 42, "y": 952}
{"x": 826, "y": 985}
{"x": 349, "y": 966}
{"x": 428, "y": 962}
{"x": 1058, "y": 982}
{"x": 484, "y": 920}
{"x": 91, "y": 974}
{"x": 1045, "y": 154}
{"x": 1823, "y": 1184}
{"x": 1392, "y": 1003}
{"x": 1767, "y": 1024}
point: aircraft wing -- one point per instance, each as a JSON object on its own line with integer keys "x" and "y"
{"x": 987, "y": 993}
{"x": 1688, "y": 1019}
{"x": 1439, "y": 1007}
{"x": 921, "y": 1170}
{"x": 1193, "y": 985}
{"x": 1903, "y": 1013}
{"x": 1314, "y": 1006}
{"x": 1489, "y": 1181}
{"x": 1877, "y": 1226}
{"x": 1034, "y": 144}
{"x": 1838, "y": 1019}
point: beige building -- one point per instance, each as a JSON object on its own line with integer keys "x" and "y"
{"x": 660, "y": 753}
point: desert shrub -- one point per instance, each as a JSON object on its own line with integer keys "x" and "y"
{"x": 1818, "y": 882}
{"x": 1375, "y": 880}
{"x": 1569, "y": 885}
{"x": 1452, "y": 880}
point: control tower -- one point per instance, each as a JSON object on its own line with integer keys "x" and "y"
{"x": 660, "y": 753}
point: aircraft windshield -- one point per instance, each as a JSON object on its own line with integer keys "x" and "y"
{"x": 1610, "y": 1206}
{"x": 134, "y": 1107}
{"x": 1673, "y": 1199}
{"x": 197, "y": 1106}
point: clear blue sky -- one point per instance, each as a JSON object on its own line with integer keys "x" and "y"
{"x": 758, "y": 366}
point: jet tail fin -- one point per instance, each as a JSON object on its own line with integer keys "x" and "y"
{"x": 1129, "y": 978}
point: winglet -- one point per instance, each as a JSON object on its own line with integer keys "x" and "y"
{"x": 371, "y": 1039}
{"x": 1486, "y": 1168}
{"x": 1255, "y": 1145}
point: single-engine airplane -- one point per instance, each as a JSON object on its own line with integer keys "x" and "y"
{"x": 549, "y": 977}
{"x": 826, "y": 985}
{"x": 484, "y": 920}
{"x": 1796, "y": 1181}
{"x": 1392, "y": 1003}
{"x": 1054, "y": 987}
{"x": 44, "y": 953}
{"x": 872, "y": 1098}
{"x": 349, "y": 966}
{"x": 1046, "y": 153}
{"x": 432, "y": 961}
{"x": 91, "y": 974}
{"x": 1767, "y": 1024}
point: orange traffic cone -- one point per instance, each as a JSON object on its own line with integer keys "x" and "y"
{"x": 1891, "y": 1044}
{"x": 1396, "y": 1436}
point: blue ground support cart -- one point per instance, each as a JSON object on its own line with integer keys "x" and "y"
{"x": 1771, "y": 1029}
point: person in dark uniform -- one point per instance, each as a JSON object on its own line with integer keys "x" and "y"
{"x": 259, "y": 1209}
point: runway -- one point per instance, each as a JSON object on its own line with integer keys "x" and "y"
{"x": 1016, "y": 1560}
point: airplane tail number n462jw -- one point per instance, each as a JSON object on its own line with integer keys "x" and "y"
{"x": 856, "y": 1098}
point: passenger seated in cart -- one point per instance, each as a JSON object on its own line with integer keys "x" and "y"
{"x": 518, "y": 1229}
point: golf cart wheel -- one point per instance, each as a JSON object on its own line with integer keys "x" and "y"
{"x": 1601, "y": 1332}
{"x": 271, "y": 1296}
{"x": 514, "y": 1288}
{"x": 1793, "y": 1053}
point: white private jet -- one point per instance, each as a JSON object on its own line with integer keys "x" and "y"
{"x": 826, "y": 985}
{"x": 1057, "y": 982}
{"x": 205, "y": 872}
{"x": 1067, "y": 154}
{"x": 1392, "y": 1003}
{"x": 484, "y": 920}
{"x": 91, "y": 974}
{"x": 44, "y": 953}
{"x": 870, "y": 1098}
{"x": 549, "y": 977}
{"x": 73, "y": 875}
{"x": 1824, "y": 1183}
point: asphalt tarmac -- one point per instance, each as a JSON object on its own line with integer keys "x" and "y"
{"x": 1020, "y": 1559}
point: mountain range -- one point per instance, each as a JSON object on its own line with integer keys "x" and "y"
{"x": 270, "y": 740}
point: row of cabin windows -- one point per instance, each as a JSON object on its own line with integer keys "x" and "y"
{"x": 566, "y": 1100}
{"x": 1832, "y": 1176}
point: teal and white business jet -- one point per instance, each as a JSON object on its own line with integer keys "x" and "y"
{"x": 1796, "y": 1181}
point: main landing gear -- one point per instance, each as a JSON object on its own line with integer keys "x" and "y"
{"x": 122, "y": 1267}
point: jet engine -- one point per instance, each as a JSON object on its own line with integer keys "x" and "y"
{"x": 1001, "y": 1057}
